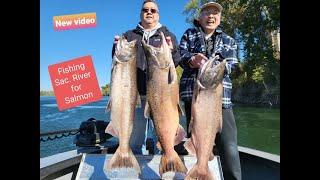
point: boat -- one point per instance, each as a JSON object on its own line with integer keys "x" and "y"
{"x": 255, "y": 164}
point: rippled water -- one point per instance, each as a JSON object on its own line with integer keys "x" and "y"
{"x": 258, "y": 127}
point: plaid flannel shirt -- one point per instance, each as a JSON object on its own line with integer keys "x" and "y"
{"x": 193, "y": 42}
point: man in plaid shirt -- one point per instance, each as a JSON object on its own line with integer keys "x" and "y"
{"x": 198, "y": 45}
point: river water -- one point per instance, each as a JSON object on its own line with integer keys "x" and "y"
{"x": 258, "y": 127}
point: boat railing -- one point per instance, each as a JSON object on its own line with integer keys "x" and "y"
{"x": 262, "y": 154}
{"x": 64, "y": 133}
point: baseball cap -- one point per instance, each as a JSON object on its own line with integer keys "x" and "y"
{"x": 211, "y": 4}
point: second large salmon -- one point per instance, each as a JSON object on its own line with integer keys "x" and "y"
{"x": 163, "y": 104}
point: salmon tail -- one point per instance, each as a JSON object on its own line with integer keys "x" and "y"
{"x": 123, "y": 160}
{"x": 199, "y": 173}
{"x": 171, "y": 163}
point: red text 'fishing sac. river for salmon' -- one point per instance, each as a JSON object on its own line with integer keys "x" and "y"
{"x": 74, "y": 82}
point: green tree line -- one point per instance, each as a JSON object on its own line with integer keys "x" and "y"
{"x": 105, "y": 90}
{"x": 46, "y": 93}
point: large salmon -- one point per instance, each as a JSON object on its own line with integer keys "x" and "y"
{"x": 122, "y": 103}
{"x": 163, "y": 104}
{"x": 206, "y": 117}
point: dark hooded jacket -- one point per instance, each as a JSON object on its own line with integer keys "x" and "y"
{"x": 154, "y": 40}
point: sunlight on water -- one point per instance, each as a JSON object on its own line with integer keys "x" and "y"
{"x": 258, "y": 127}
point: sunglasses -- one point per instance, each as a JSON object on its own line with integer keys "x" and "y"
{"x": 153, "y": 11}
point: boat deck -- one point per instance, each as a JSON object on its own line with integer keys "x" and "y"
{"x": 254, "y": 165}
{"x": 92, "y": 167}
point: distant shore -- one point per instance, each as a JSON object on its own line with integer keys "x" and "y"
{"x": 51, "y": 93}
{"x": 46, "y": 93}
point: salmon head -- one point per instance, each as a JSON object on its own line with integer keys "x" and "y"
{"x": 211, "y": 74}
{"x": 124, "y": 50}
{"x": 158, "y": 57}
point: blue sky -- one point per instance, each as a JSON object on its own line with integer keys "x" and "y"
{"x": 113, "y": 17}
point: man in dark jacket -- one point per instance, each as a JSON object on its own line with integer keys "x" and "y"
{"x": 198, "y": 45}
{"x": 148, "y": 29}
